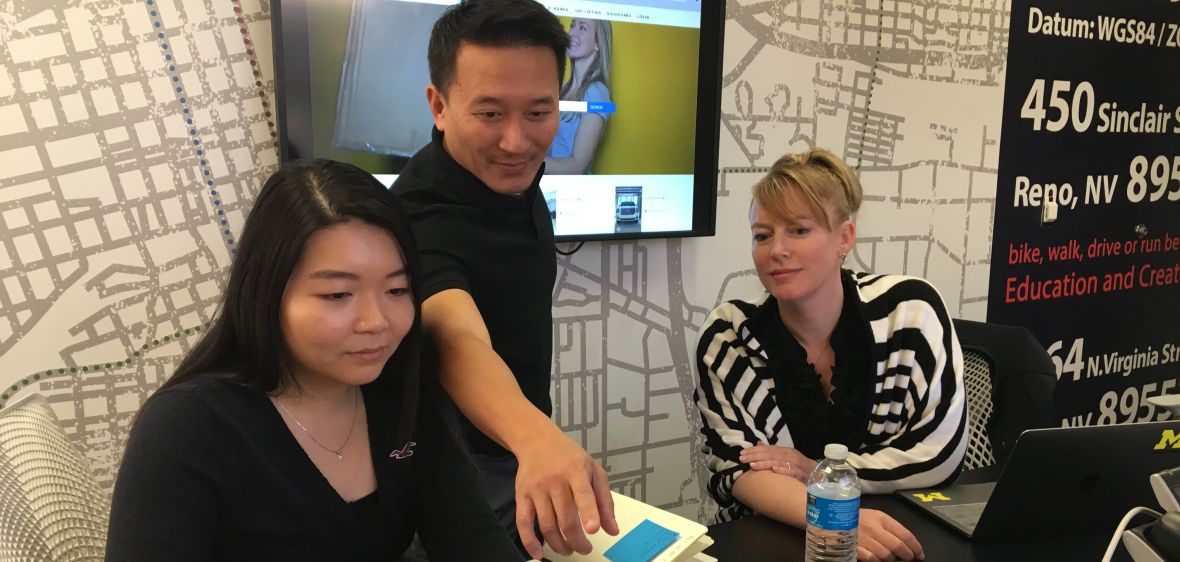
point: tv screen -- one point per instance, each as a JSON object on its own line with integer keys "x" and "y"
{"x": 351, "y": 86}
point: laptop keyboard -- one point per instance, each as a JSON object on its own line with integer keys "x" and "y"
{"x": 966, "y": 514}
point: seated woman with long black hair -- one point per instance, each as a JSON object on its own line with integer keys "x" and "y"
{"x": 294, "y": 430}
{"x": 827, "y": 356}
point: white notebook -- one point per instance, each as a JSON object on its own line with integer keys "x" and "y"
{"x": 629, "y": 513}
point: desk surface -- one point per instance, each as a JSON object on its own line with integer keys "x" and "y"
{"x": 758, "y": 539}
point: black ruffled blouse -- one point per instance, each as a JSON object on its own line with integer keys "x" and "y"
{"x": 813, "y": 419}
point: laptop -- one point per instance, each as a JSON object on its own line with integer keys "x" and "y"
{"x": 1059, "y": 481}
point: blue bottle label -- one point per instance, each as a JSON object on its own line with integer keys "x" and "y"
{"x": 832, "y": 515}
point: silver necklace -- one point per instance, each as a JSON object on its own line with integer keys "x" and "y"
{"x": 339, "y": 451}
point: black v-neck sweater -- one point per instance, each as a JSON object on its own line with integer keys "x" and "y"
{"x": 212, "y": 472}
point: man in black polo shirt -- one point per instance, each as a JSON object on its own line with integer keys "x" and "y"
{"x": 487, "y": 249}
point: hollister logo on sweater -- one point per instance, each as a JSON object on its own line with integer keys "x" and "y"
{"x": 404, "y": 452}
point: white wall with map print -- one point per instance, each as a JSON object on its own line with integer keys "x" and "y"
{"x": 134, "y": 134}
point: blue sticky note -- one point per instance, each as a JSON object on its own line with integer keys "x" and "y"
{"x": 646, "y": 541}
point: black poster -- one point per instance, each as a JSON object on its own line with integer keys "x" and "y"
{"x": 1086, "y": 247}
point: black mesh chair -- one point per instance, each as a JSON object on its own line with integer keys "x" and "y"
{"x": 1010, "y": 381}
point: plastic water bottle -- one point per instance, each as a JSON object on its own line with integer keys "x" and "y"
{"x": 833, "y": 508}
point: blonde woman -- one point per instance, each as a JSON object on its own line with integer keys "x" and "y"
{"x": 579, "y": 133}
{"x": 827, "y": 356}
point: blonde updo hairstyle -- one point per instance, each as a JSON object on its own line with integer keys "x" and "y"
{"x": 822, "y": 178}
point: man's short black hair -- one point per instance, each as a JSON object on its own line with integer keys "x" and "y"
{"x": 493, "y": 23}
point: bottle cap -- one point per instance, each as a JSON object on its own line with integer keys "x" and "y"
{"x": 836, "y": 451}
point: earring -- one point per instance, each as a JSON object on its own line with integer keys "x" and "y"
{"x": 843, "y": 256}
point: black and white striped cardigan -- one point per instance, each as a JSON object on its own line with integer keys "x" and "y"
{"x": 917, "y": 431}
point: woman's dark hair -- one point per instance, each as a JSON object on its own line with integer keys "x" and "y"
{"x": 493, "y": 23}
{"x": 245, "y": 344}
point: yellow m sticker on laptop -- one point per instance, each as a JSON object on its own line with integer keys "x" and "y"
{"x": 1168, "y": 438}
{"x": 927, "y": 498}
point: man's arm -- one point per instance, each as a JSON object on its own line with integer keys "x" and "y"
{"x": 557, "y": 480}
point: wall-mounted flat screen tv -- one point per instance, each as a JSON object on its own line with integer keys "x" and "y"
{"x": 351, "y": 86}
